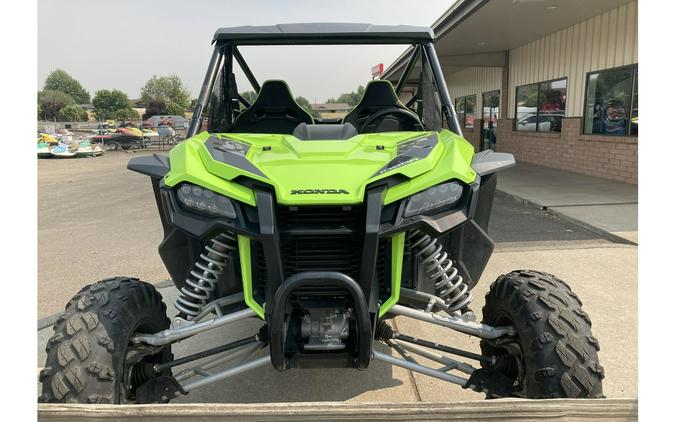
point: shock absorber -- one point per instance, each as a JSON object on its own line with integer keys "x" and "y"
{"x": 200, "y": 284}
{"x": 449, "y": 285}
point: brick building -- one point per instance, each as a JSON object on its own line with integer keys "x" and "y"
{"x": 553, "y": 82}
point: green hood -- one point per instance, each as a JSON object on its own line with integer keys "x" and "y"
{"x": 320, "y": 172}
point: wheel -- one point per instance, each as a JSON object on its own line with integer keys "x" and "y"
{"x": 89, "y": 359}
{"x": 554, "y": 354}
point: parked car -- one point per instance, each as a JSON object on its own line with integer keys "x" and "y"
{"x": 547, "y": 123}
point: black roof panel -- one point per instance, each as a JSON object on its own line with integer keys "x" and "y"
{"x": 324, "y": 33}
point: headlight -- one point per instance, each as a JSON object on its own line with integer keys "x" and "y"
{"x": 440, "y": 196}
{"x": 204, "y": 200}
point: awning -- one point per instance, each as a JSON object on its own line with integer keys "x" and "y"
{"x": 481, "y": 32}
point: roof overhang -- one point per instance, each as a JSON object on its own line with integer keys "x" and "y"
{"x": 481, "y": 32}
{"x": 324, "y": 33}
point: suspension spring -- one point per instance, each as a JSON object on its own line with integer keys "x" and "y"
{"x": 449, "y": 285}
{"x": 201, "y": 283}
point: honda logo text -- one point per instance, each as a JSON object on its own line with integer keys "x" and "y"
{"x": 319, "y": 192}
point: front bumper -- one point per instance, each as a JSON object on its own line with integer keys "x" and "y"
{"x": 379, "y": 229}
{"x": 358, "y": 357}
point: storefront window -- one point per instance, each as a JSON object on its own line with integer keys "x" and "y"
{"x": 470, "y": 112}
{"x": 465, "y": 107}
{"x": 634, "y": 112}
{"x": 526, "y": 107}
{"x": 552, "y": 97}
{"x": 491, "y": 107}
{"x": 541, "y": 107}
{"x": 490, "y": 117}
{"x": 460, "y": 105}
{"x": 611, "y": 102}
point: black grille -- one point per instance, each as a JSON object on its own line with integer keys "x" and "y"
{"x": 321, "y": 239}
{"x": 321, "y": 253}
{"x": 293, "y": 218}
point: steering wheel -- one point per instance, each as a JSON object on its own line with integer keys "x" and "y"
{"x": 407, "y": 114}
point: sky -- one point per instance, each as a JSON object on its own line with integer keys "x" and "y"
{"x": 121, "y": 44}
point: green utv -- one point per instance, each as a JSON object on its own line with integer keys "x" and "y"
{"x": 323, "y": 230}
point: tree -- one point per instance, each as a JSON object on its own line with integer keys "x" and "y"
{"x": 304, "y": 103}
{"x": 126, "y": 114}
{"x": 73, "y": 113}
{"x": 352, "y": 98}
{"x": 50, "y": 102}
{"x": 59, "y": 80}
{"x": 359, "y": 93}
{"x": 174, "y": 109}
{"x": 167, "y": 91}
{"x": 154, "y": 108}
{"x": 249, "y": 96}
{"x": 112, "y": 104}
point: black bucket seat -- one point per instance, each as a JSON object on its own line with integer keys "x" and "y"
{"x": 379, "y": 95}
{"x": 274, "y": 111}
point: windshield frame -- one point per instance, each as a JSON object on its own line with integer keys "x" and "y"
{"x": 226, "y": 52}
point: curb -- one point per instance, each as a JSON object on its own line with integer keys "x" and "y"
{"x": 49, "y": 320}
{"x": 492, "y": 410}
{"x": 604, "y": 233}
{"x": 586, "y": 226}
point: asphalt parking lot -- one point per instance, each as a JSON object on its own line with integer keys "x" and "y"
{"x": 96, "y": 219}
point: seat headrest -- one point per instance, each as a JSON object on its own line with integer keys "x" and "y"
{"x": 274, "y": 93}
{"x": 274, "y": 111}
{"x": 379, "y": 93}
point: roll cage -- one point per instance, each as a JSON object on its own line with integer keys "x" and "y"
{"x": 431, "y": 88}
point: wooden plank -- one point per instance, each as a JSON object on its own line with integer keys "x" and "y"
{"x": 489, "y": 410}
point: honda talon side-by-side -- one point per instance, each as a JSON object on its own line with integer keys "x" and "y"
{"x": 324, "y": 230}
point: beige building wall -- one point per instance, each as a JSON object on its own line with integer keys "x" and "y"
{"x": 602, "y": 42}
{"x": 474, "y": 80}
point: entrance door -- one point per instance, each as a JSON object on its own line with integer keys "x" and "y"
{"x": 488, "y": 138}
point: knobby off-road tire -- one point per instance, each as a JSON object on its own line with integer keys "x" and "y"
{"x": 559, "y": 353}
{"x": 86, "y": 355}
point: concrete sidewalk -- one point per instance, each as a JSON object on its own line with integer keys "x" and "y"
{"x": 600, "y": 205}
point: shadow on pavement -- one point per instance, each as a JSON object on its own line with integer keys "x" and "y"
{"x": 514, "y": 221}
{"x": 264, "y": 385}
